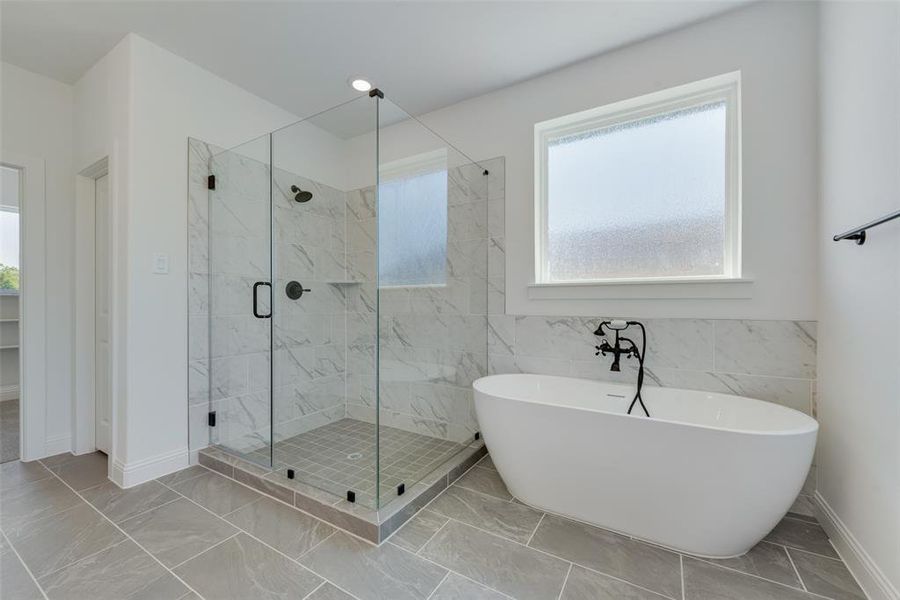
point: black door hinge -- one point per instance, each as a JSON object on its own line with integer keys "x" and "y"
{"x": 211, "y": 418}
{"x": 211, "y": 182}
{"x": 351, "y": 496}
{"x": 401, "y": 489}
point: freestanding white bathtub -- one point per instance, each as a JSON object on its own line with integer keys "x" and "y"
{"x": 708, "y": 474}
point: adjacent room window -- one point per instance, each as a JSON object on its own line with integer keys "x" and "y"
{"x": 9, "y": 231}
{"x": 646, "y": 189}
{"x": 412, "y": 221}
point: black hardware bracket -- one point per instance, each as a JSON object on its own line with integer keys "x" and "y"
{"x": 401, "y": 489}
{"x": 211, "y": 182}
{"x": 351, "y": 496}
{"x": 376, "y": 92}
{"x": 211, "y": 418}
{"x": 859, "y": 234}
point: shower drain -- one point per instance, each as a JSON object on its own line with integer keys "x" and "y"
{"x": 354, "y": 456}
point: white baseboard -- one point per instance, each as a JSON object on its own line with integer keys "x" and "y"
{"x": 9, "y": 392}
{"x": 867, "y": 573}
{"x": 142, "y": 471}
{"x": 57, "y": 445}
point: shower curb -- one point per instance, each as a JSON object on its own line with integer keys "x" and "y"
{"x": 372, "y": 525}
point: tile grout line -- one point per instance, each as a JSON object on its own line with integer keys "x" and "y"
{"x": 24, "y": 566}
{"x": 531, "y": 537}
{"x": 440, "y": 583}
{"x": 790, "y": 587}
{"x": 216, "y": 545}
{"x": 457, "y": 573}
{"x": 318, "y": 587}
{"x": 123, "y": 532}
{"x": 562, "y": 590}
{"x": 559, "y": 558}
{"x": 266, "y": 544}
{"x": 796, "y": 570}
{"x": 144, "y": 512}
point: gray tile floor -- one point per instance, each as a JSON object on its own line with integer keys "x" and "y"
{"x": 9, "y": 430}
{"x": 69, "y": 533}
{"x": 340, "y": 456}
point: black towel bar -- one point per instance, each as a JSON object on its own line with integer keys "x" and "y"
{"x": 859, "y": 233}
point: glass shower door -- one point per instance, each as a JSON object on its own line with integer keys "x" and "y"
{"x": 240, "y": 300}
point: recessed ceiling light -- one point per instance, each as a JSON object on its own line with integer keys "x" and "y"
{"x": 360, "y": 85}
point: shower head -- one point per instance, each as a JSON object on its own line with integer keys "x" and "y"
{"x": 301, "y": 196}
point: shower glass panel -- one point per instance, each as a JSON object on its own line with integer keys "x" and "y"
{"x": 348, "y": 255}
{"x": 240, "y": 308}
{"x": 324, "y": 319}
{"x": 432, "y": 298}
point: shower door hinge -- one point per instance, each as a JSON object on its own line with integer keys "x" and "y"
{"x": 401, "y": 489}
{"x": 376, "y": 92}
{"x": 211, "y": 182}
{"x": 351, "y": 496}
{"x": 211, "y": 418}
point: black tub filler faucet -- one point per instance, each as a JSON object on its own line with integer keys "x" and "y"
{"x": 624, "y": 346}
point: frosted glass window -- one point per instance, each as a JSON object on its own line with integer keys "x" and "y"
{"x": 640, "y": 198}
{"x": 412, "y": 230}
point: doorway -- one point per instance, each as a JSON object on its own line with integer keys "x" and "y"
{"x": 10, "y": 254}
{"x": 102, "y": 345}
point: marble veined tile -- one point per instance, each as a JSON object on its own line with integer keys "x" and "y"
{"x": 650, "y": 567}
{"x": 704, "y": 581}
{"x": 419, "y": 530}
{"x": 17, "y": 583}
{"x": 507, "y": 519}
{"x": 677, "y": 343}
{"x": 373, "y": 573}
{"x": 216, "y": 493}
{"x": 119, "y": 504}
{"x": 506, "y": 566}
{"x": 329, "y": 592}
{"x": 456, "y": 587}
{"x": 242, "y": 568}
{"x": 16, "y": 472}
{"x": 768, "y": 561}
{"x": 177, "y": 531}
{"x": 777, "y": 348}
{"x": 61, "y": 539}
{"x": 121, "y": 572}
{"x": 583, "y": 584}
{"x": 827, "y": 577}
{"x": 486, "y": 481}
{"x": 795, "y": 533}
{"x": 281, "y": 526}
{"x": 34, "y": 500}
{"x": 554, "y": 337}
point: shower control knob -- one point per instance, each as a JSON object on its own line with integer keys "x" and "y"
{"x": 295, "y": 289}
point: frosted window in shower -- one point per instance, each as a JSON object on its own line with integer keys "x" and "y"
{"x": 412, "y": 229}
{"x": 648, "y": 192}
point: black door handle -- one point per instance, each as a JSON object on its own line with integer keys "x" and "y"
{"x": 295, "y": 289}
{"x": 256, "y": 300}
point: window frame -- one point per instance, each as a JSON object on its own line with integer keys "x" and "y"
{"x": 727, "y": 88}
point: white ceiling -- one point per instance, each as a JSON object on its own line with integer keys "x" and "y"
{"x": 299, "y": 55}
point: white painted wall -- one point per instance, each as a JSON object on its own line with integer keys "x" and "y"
{"x": 139, "y": 105}
{"x": 36, "y": 122}
{"x": 774, "y": 47}
{"x": 859, "y": 291}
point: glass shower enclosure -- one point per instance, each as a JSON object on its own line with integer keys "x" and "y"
{"x": 346, "y": 316}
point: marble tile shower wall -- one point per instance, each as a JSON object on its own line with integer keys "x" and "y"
{"x": 231, "y": 351}
{"x": 433, "y": 339}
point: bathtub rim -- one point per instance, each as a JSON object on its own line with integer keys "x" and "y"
{"x": 812, "y": 423}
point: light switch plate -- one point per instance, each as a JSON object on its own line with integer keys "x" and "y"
{"x": 161, "y": 264}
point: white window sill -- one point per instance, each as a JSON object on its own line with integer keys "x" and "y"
{"x": 644, "y": 289}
